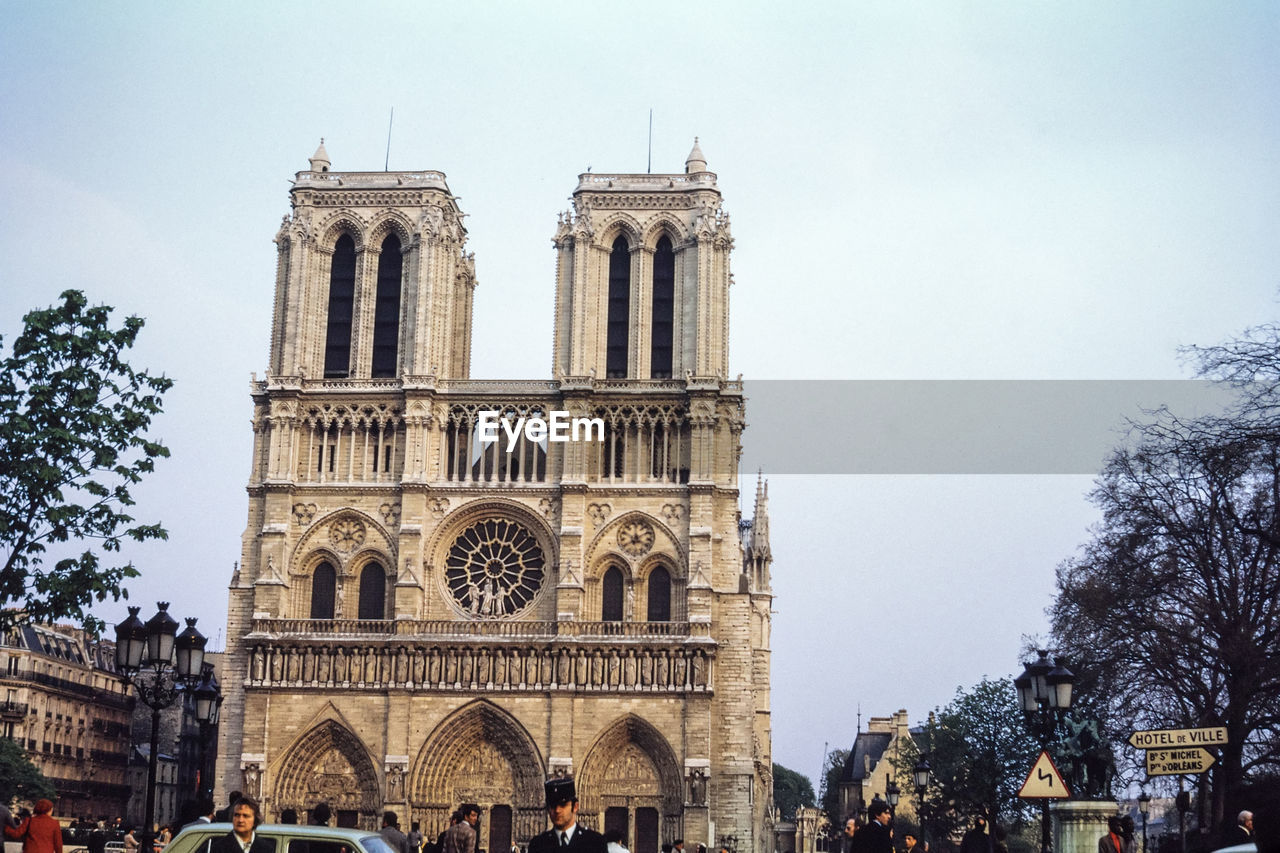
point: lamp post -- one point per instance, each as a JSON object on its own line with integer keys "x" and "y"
{"x": 1144, "y": 809}
{"x": 1044, "y": 695}
{"x": 158, "y": 662}
{"x": 207, "y": 699}
{"x": 892, "y": 793}
{"x": 920, "y": 775}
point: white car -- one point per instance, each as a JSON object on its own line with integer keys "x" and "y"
{"x": 285, "y": 838}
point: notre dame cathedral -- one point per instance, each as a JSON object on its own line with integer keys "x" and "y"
{"x": 422, "y": 617}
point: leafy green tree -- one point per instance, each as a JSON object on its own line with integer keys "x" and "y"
{"x": 19, "y": 778}
{"x": 980, "y": 753}
{"x": 790, "y": 791}
{"x": 830, "y": 789}
{"x": 73, "y": 418}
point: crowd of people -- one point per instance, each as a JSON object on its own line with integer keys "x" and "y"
{"x": 40, "y": 832}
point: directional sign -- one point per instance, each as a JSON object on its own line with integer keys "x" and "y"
{"x": 1167, "y": 738}
{"x": 1175, "y": 762}
{"x": 1044, "y": 782}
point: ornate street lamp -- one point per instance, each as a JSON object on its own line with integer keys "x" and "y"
{"x": 207, "y": 698}
{"x": 1144, "y": 809}
{"x": 145, "y": 656}
{"x": 892, "y": 793}
{"x": 920, "y": 775}
{"x": 1044, "y": 695}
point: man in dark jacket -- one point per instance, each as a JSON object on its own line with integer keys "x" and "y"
{"x": 565, "y": 835}
{"x": 875, "y": 837}
{"x": 976, "y": 840}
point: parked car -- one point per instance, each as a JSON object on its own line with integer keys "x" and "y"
{"x": 285, "y": 838}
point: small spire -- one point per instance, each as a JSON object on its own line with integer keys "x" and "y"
{"x": 320, "y": 159}
{"x": 696, "y": 161}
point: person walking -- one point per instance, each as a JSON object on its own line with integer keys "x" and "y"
{"x": 39, "y": 832}
{"x": 1113, "y": 841}
{"x": 396, "y": 840}
{"x": 461, "y": 837}
{"x": 613, "y": 838}
{"x": 565, "y": 834}
{"x": 976, "y": 840}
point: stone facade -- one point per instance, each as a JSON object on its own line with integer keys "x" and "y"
{"x": 421, "y": 618}
{"x": 61, "y": 700}
{"x": 872, "y": 763}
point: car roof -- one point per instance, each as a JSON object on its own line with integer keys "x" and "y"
{"x": 295, "y": 829}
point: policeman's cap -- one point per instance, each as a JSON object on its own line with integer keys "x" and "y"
{"x": 560, "y": 790}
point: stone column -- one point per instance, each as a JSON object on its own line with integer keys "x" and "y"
{"x": 1078, "y": 824}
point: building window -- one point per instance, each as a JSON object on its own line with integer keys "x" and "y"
{"x": 386, "y": 312}
{"x": 664, "y": 290}
{"x": 323, "y": 583}
{"x": 659, "y": 595}
{"x": 373, "y": 592}
{"x": 342, "y": 288}
{"x": 619, "y": 310}
{"x": 611, "y": 595}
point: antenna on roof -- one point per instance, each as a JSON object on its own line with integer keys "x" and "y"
{"x": 387, "y": 162}
{"x": 648, "y": 169}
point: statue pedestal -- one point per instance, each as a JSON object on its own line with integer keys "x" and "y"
{"x": 1078, "y": 824}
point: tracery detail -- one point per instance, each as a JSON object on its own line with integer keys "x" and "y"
{"x": 495, "y": 568}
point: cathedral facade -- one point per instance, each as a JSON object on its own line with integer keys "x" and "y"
{"x": 422, "y": 617}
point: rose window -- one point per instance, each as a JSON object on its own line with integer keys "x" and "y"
{"x": 495, "y": 567}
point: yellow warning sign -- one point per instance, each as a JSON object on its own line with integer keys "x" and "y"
{"x": 1044, "y": 782}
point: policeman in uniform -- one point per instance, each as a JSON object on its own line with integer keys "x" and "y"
{"x": 566, "y": 835}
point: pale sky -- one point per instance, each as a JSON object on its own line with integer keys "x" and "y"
{"x": 918, "y": 191}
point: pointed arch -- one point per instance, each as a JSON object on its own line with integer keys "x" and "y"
{"x": 324, "y": 586}
{"x": 342, "y": 288}
{"x": 328, "y": 763}
{"x": 658, "y": 595}
{"x": 480, "y": 754}
{"x": 611, "y": 595}
{"x": 373, "y": 591}
{"x": 632, "y": 765}
{"x": 662, "y": 316}
{"x": 386, "y": 312}
{"x": 618, "y": 321}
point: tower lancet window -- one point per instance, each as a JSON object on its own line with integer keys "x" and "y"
{"x": 342, "y": 286}
{"x": 619, "y": 316}
{"x": 611, "y": 595}
{"x": 663, "y": 320}
{"x": 386, "y": 314}
{"x": 373, "y": 592}
{"x": 323, "y": 583}
{"x": 659, "y": 609}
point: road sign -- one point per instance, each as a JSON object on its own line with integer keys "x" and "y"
{"x": 1175, "y": 762}
{"x": 1044, "y": 782}
{"x": 1168, "y": 738}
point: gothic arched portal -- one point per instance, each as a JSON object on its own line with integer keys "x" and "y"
{"x": 480, "y": 754}
{"x": 631, "y": 780}
{"x": 329, "y": 764}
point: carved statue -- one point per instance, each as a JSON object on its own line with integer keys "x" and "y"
{"x": 490, "y": 598}
{"x": 698, "y": 787}
{"x": 1086, "y": 761}
{"x": 395, "y": 783}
